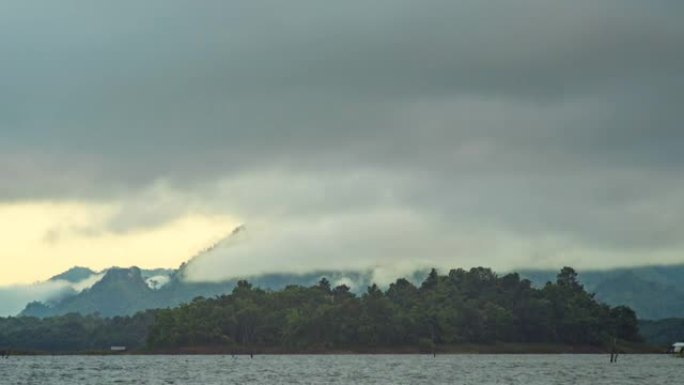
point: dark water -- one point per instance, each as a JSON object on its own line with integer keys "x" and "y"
{"x": 356, "y": 369}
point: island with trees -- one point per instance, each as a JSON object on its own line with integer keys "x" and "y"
{"x": 445, "y": 313}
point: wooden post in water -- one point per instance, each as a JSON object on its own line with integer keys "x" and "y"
{"x": 433, "y": 338}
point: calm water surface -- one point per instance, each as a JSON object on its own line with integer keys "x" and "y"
{"x": 351, "y": 369}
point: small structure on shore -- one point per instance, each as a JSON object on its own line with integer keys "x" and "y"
{"x": 117, "y": 349}
{"x": 677, "y": 348}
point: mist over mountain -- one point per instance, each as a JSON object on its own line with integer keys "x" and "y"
{"x": 651, "y": 291}
{"x": 125, "y": 291}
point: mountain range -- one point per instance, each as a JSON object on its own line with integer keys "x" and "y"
{"x": 654, "y": 292}
{"x": 125, "y": 291}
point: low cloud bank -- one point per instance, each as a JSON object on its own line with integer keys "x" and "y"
{"x": 388, "y": 243}
{"x": 13, "y": 299}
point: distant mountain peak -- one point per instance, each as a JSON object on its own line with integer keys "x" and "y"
{"x": 120, "y": 274}
{"x": 120, "y": 291}
{"x": 74, "y": 275}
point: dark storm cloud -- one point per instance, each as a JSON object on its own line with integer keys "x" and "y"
{"x": 532, "y": 117}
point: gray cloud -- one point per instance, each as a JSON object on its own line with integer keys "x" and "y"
{"x": 532, "y": 119}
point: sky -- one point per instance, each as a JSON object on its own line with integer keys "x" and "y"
{"x": 352, "y": 134}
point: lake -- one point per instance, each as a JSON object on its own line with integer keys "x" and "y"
{"x": 341, "y": 369}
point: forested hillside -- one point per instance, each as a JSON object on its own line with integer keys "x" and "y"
{"x": 472, "y": 306}
{"x": 475, "y": 306}
{"x": 663, "y": 332}
{"x": 654, "y": 292}
{"x": 74, "y": 333}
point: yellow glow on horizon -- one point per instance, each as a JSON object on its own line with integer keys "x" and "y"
{"x": 42, "y": 239}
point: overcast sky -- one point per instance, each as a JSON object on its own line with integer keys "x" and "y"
{"x": 348, "y": 134}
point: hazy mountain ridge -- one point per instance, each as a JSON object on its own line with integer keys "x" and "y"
{"x": 74, "y": 275}
{"x": 652, "y": 291}
{"x": 125, "y": 292}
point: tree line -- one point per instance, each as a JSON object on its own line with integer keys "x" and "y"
{"x": 475, "y": 306}
{"x": 74, "y": 332}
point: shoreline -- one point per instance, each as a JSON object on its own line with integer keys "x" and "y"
{"x": 465, "y": 349}
{"x": 413, "y": 350}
